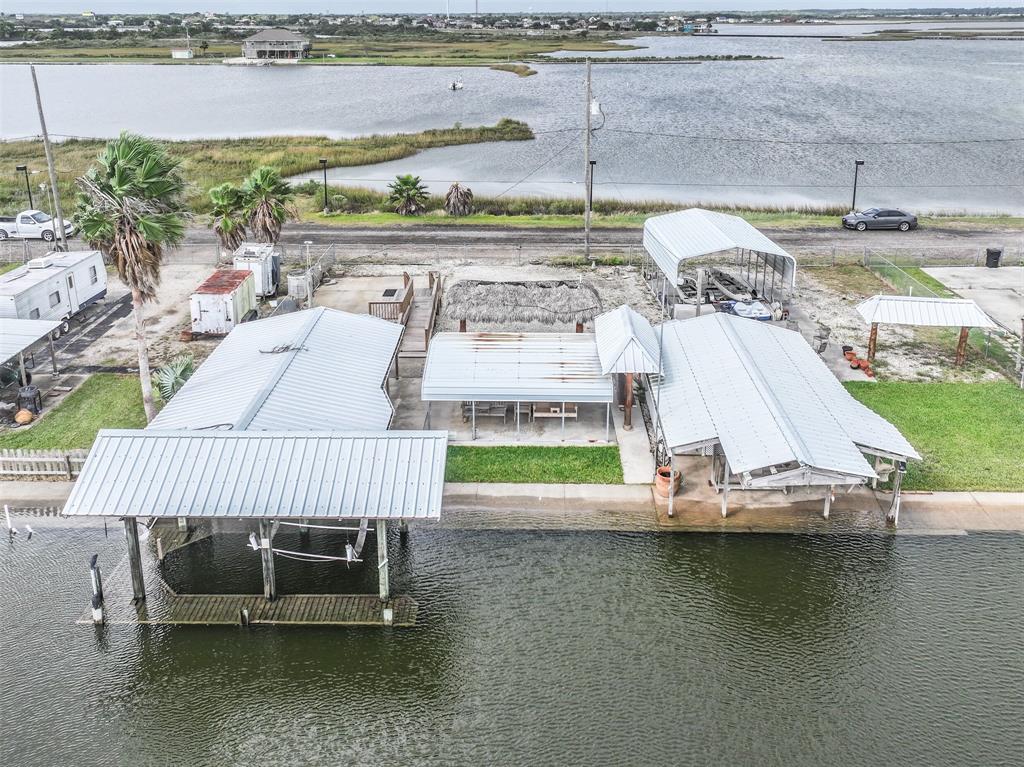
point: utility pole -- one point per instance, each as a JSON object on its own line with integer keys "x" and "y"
{"x": 59, "y": 215}
{"x": 587, "y": 169}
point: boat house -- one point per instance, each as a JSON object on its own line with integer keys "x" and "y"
{"x": 275, "y": 44}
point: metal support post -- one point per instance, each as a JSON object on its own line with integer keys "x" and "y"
{"x": 828, "y": 501}
{"x": 725, "y": 489}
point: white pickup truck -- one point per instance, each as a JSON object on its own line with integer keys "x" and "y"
{"x": 31, "y": 225}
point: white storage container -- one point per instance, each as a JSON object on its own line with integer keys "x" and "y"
{"x": 264, "y": 261}
{"x": 223, "y": 301}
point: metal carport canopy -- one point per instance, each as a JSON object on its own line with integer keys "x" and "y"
{"x": 262, "y": 475}
{"x": 924, "y": 311}
{"x": 672, "y": 238}
{"x": 765, "y": 396}
{"x": 514, "y": 367}
{"x": 18, "y": 335}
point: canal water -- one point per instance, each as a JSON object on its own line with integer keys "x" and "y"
{"x": 536, "y": 648}
{"x": 779, "y": 132}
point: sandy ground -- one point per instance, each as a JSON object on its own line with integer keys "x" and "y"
{"x": 165, "y": 319}
{"x": 903, "y": 353}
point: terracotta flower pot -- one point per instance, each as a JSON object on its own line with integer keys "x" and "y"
{"x": 850, "y": 355}
{"x": 661, "y": 481}
{"x": 855, "y": 363}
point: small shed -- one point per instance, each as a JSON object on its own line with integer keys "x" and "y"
{"x": 264, "y": 261}
{"x": 224, "y": 300}
{"x": 923, "y": 311}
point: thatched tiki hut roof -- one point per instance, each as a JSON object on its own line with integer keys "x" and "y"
{"x": 545, "y": 301}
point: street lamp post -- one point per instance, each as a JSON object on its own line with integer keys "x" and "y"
{"x": 323, "y": 167}
{"x": 28, "y": 187}
{"x": 856, "y": 171}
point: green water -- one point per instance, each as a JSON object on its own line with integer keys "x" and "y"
{"x": 537, "y": 649}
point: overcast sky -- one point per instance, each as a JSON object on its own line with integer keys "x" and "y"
{"x": 427, "y": 6}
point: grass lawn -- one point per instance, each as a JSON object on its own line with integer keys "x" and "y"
{"x": 552, "y": 465}
{"x": 969, "y": 435}
{"x": 104, "y": 401}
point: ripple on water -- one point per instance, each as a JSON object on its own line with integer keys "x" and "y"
{"x": 537, "y": 648}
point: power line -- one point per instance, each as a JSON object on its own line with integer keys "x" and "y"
{"x": 761, "y": 140}
{"x": 550, "y": 158}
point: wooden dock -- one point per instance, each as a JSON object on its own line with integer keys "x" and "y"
{"x": 165, "y": 607}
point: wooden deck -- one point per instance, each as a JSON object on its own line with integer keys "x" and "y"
{"x": 419, "y": 326}
{"x": 165, "y": 607}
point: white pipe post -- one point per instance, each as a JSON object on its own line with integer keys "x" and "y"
{"x": 517, "y": 418}
{"x": 563, "y": 422}
{"x": 828, "y": 501}
{"x": 473, "y": 408}
{"x": 608, "y": 422}
{"x": 21, "y": 368}
{"x": 671, "y": 484}
{"x": 382, "y": 560}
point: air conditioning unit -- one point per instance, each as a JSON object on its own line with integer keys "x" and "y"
{"x": 44, "y": 262}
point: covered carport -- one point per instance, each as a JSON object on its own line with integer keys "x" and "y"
{"x": 674, "y": 239}
{"x": 17, "y": 337}
{"x": 762, "y": 404}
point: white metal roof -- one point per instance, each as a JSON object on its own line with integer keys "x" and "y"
{"x": 672, "y": 238}
{"x": 924, "y": 310}
{"x": 626, "y": 342}
{"x": 17, "y": 280}
{"x": 509, "y": 367}
{"x": 763, "y": 394}
{"x": 141, "y": 473}
{"x": 18, "y": 335}
{"x": 311, "y": 370}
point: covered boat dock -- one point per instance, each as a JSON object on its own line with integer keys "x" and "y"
{"x": 759, "y": 402}
{"x": 258, "y": 481}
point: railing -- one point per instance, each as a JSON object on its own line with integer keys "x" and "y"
{"x": 65, "y": 464}
{"x": 396, "y": 310}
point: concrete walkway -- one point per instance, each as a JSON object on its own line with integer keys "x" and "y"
{"x": 632, "y": 507}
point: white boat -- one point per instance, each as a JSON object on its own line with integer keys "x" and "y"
{"x": 456, "y": 85}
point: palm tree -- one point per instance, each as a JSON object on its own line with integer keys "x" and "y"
{"x": 408, "y": 195}
{"x": 266, "y": 199}
{"x": 226, "y": 217}
{"x": 459, "y": 200}
{"x": 131, "y": 207}
{"x": 172, "y": 376}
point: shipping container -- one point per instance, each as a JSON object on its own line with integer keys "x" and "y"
{"x": 225, "y": 299}
{"x": 56, "y": 286}
{"x": 264, "y": 261}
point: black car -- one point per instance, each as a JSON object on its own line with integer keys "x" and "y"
{"x": 880, "y": 218}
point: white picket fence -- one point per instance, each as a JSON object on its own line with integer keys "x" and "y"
{"x": 62, "y": 464}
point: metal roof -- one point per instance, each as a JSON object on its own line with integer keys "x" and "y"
{"x": 626, "y": 342}
{"x": 17, "y": 280}
{"x": 924, "y": 310}
{"x": 509, "y": 367}
{"x": 672, "y": 238}
{"x": 765, "y": 396}
{"x": 311, "y": 370}
{"x": 18, "y": 335}
{"x": 246, "y": 475}
{"x": 223, "y": 281}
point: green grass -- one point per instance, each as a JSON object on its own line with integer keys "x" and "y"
{"x": 104, "y": 401}
{"x": 969, "y": 435}
{"x": 207, "y": 163}
{"x": 545, "y": 465}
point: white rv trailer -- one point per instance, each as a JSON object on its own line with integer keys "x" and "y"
{"x": 264, "y": 261}
{"x": 56, "y": 286}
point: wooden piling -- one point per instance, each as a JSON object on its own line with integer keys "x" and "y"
{"x": 961, "y": 347}
{"x": 627, "y": 411}
{"x": 872, "y": 341}
{"x": 267, "y": 556}
{"x": 131, "y": 530}
{"x": 382, "y": 560}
